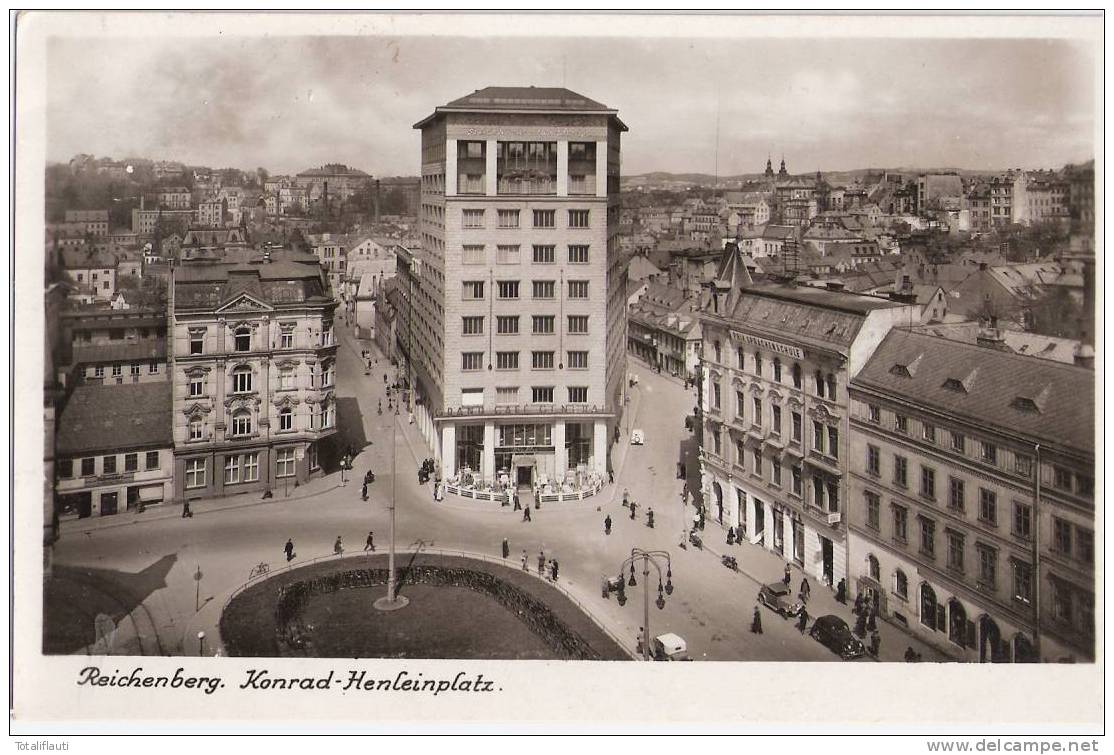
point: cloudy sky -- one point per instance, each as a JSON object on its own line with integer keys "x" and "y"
{"x": 295, "y": 102}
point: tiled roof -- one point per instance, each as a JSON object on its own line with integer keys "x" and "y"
{"x": 641, "y": 268}
{"x": 997, "y": 387}
{"x": 526, "y": 98}
{"x": 80, "y": 259}
{"x": 108, "y": 417}
{"x": 779, "y": 232}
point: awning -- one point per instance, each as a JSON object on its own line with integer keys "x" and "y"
{"x": 523, "y": 460}
{"x": 150, "y": 493}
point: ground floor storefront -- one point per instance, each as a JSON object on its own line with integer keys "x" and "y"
{"x": 933, "y": 609}
{"x": 113, "y": 498}
{"x": 245, "y": 468}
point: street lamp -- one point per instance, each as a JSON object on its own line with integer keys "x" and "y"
{"x": 648, "y": 558}
{"x": 392, "y": 601}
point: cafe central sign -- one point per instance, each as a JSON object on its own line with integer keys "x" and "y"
{"x": 774, "y": 346}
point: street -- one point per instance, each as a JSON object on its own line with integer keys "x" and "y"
{"x": 711, "y": 606}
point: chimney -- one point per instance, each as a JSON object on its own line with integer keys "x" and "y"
{"x": 992, "y": 337}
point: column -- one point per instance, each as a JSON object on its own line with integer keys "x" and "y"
{"x": 599, "y": 446}
{"x": 563, "y": 168}
{"x": 601, "y": 169}
{"x": 487, "y": 465}
{"x": 450, "y": 167}
{"x": 448, "y": 450}
{"x": 560, "y": 455}
{"x": 491, "y": 175}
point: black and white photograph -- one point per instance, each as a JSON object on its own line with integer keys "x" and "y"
{"x": 415, "y": 361}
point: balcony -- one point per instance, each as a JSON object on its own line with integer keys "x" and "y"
{"x": 522, "y": 410}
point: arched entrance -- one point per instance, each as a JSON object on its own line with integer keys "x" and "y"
{"x": 1023, "y": 651}
{"x": 991, "y": 647}
{"x": 718, "y": 492}
{"x": 957, "y": 623}
{"x": 928, "y": 606}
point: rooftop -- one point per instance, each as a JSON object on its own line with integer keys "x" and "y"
{"x": 120, "y": 352}
{"x": 523, "y": 99}
{"x": 1039, "y": 398}
{"x": 107, "y": 417}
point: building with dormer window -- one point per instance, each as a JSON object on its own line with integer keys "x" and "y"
{"x": 253, "y": 361}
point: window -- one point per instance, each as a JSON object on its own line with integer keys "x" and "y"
{"x": 873, "y": 461}
{"x": 1061, "y": 602}
{"x": 286, "y": 336}
{"x": 508, "y": 218}
{"x": 775, "y": 419}
{"x": 152, "y": 367}
{"x": 831, "y": 387}
{"x": 757, "y": 364}
{"x": 901, "y": 584}
{"x": 541, "y": 360}
{"x": 506, "y": 325}
{"x": 543, "y": 324}
{"x": 758, "y": 462}
{"x": 775, "y": 472}
{"x": 1084, "y": 485}
{"x": 833, "y": 442}
{"x": 578, "y": 324}
{"x": 578, "y": 360}
{"x": 797, "y": 377}
{"x": 955, "y": 550}
{"x": 328, "y": 374}
{"x": 195, "y": 473}
{"x": 284, "y": 462}
{"x": 473, "y": 219}
{"x": 959, "y": 443}
{"x": 928, "y": 432}
{"x": 251, "y": 467}
{"x": 798, "y": 486}
{"x": 901, "y": 472}
{"x": 989, "y": 453}
{"x": 472, "y": 254}
{"x": 241, "y": 422}
{"x": 1061, "y": 536}
{"x": 197, "y": 385}
{"x": 819, "y": 377}
{"x": 108, "y": 465}
{"x": 777, "y": 370}
{"x": 88, "y": 467}
{"x": 544, "y": 254}
{"x": 818, "y": 436}
{"x": 286, "y": 419}
{"x": 471, "y": 361}
{"x": 1061, "y": 478}
{"x": 1085, "y": 545}
{"x": 578, "y": 394}
{"x": 901, "y": 523}
{"x": 901, "y": 424}
{"x": 231, "y": 470}
{"x": 473, "y": 290}
{"x": 543, "y": 289}
{"x": 928, "y": 483}
{"x": 545, "y": 218}
{"x": 718, "y": 350}
{"x": 508, "y": 289}
{"x": 541, "y": 395}
{"x": 241, "y": 380}
{"x": 956, "y": 494}
{"x": 578, "y": 289}
{"x": 796, "y": 422}
{"x": 472, "y": 325}
{"x": 196, "y": 429}
{"x": 197, "y": 341}
{"x": 1022, "y": 581}
{"x": 578, "y": 218}
{"x": 135, "y": 370}
{"x": 928, "y": 537}
{"x": 988, "y": 565}
{"x": 507, "y": 254}
{"x": 756, "y": 418}
{"x": 506, "y": 360}
{"x": 506, "y": 394}
{"x": 988, "y": 506}
{"x": 117, "y": 370}
{"x": 578, "y": 254}
{"x": 98, "y": 371}
{"x": 1023, "y": 465}
{"x": 873, "y": 567}
{"x": 243, "y": 338}
{"x": 286, "y": 378}
{"x": 874, "y": 414}
{"x": 65, "y": 469}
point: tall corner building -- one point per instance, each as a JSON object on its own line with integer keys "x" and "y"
{"x": 512, "y": 327}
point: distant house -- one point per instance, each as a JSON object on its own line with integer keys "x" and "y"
{"x": 92, "y": 273}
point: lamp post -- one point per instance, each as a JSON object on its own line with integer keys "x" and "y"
{"x": 648, "y": 559}
{"x": 392, "y": 601}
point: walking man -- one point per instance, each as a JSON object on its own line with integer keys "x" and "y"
{"x": 524, "y": 560}
{"x": 787, "y": 576}
{"x": 607, "y": 525}
{"x": 526, "y": 515}
{"x": 506, "y": 548}
{"x": 541, "y": 562}
{"x": 756, "y": 622}
{"x": 875, "y": 643}
{"x": 517, "y": 503}
{"x": 289, "y": 550}
{"x": 555, "y": 569}
{"x": 806, "y": 590}
{"x": 802, "y": 621}
{"x": 370, "y": 544}
{"x": 337, "y": 547}
{"x": 363, "y": 492}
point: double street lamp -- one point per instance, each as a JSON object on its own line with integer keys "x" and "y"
{"x": 648, "y": 559}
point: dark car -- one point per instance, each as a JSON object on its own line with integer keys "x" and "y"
{"x": 778, "y": 596}
{"x": 833, "y": 633}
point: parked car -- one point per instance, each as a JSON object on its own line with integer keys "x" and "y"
{"x": 833, "y": 633}
{"x": 669, "y": 647}
{"x": 637, "y": 438}
{"x": 778, "y": 596}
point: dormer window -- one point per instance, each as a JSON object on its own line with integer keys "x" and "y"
{"x": 952, "y": 384}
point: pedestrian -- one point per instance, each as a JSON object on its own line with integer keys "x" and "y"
{"x": 506, "y": 548}
{"x": 610, "y": 477}
{"x": 517, "y": 503}
{"x": 526, "y": 515}
{"x": 370, "y": 544}
{"x": 289, "y": 550}
{"x": 788, "y": 576}
{"x": 626, "y": 497}
{"x": 730, "y": 535}
{"x": 841, "y": 591}
{"x": 633, "y": 508}
{"x": 541, "y": 562}
{"x": 411, "y": 418}
{"x": 875, "y": 643}
{"x": 756, "y": 622}
{"x": 524, "y": 560}
{"x": 860, "y": 625}
{"x": 641, "y": 638}
{"x": 607, "y": 525}
{"x": 556, "y": 568}
{"x": 802, "y": 621}
{"x": 363, "y": 492}
{"x": 337, "y": 547}
{"x": 806, "y": 590}
{"x": 186, "y": 513}
{"x": 872, "y": 621}
{"x": 858, "y": 604}
{"x": 650, "y": 517}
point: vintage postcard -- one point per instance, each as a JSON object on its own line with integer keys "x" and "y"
{"x": 554, "y": 370}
